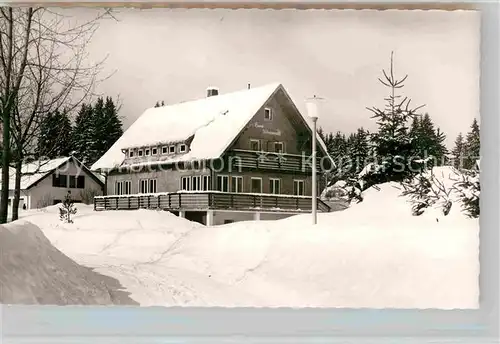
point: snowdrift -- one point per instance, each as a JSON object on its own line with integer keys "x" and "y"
{"x": 32, "y": 271}
{"x": 374, "y": 254}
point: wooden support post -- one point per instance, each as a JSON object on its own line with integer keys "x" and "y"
{"x": 256, "y": 216}
{"x": 210, "y": 218}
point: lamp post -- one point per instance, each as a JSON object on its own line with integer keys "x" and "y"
{"x": 312, "y": 112}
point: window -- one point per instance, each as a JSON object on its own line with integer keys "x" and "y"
{"x": 278, "y": 147}
{"x": 139, "y": 152}
{"x": 223, "y": 183}
{"x": 196, "y": 181}
{"x": 63, "y": 180}
{"x": 236, "y": 184}
{"x": 172, "y": 149}
{"x": 59, "y": 180}
{"x": 152, "y": 186}
{"x": 80, "y": 182}
{"x": 274, "y": 186}
{"x": 268, "y": 114}
{"x": 186, "y": 183}
{"x": 72, "y": 182}
{"x": 298, "y": 188}
{"x": 255, "y": 145}
{"x": 127, "y": 187}
{"x": 182, "y": 148}
{"x": 143, "y": 186}
{"x": 131, "y": 153}
{"x": 118, "y": 188}
{"x": 164, "y": 150}
{"x": 123, "y": 187}
{"x": 256, "y": 185}
{"x": 154, "y": 151}
{"x": 207, "y": 183}
{"x": 146, "y": 152}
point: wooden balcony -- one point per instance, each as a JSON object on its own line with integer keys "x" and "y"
{"x": 243, "y": 159}
{"x": 209, "y": 200}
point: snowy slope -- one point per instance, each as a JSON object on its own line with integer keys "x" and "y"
{"x": 32, "y": 271}
{"x": 374, "y": 254}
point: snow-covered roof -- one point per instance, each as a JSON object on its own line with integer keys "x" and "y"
{"x": 213, "y": 122}
{"x": 34, "y": 171}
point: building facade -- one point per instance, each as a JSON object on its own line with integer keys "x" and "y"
{"x": 45, "y": 183}
{"x": 263, "y": 149}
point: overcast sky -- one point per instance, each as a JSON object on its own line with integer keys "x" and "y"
{"x": 173, "y": 55}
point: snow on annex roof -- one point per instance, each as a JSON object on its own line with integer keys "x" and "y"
{"x": 34, "y": 171}
{"x": 214, "y": 121}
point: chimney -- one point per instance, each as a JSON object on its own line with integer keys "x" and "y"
{"x": 212, "y": 91}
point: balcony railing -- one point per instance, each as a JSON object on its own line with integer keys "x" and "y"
{"x": 243, "y": 159}
{"x": 209, "y": 200}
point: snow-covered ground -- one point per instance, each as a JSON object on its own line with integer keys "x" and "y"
{"x": 32, "y": 271}
{"x": 374, "y": 254}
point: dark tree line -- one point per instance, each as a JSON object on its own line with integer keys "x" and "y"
{"x": 96, "y": 128}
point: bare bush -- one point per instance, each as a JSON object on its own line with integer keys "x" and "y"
{"x": 88, "y": 195}
{"x": 45, "y": 202}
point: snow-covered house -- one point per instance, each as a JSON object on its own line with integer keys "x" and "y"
{"x": 47, "y": 182}
{"x": 234, "y": 149}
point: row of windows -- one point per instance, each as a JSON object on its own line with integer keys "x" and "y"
{"x": 123, "y": 187}
{"x": 64, "y": 181}
{"x": 235, "y": 184}
{"x": 203, "y": 183}
{"x": 153, "y": 151}
{"x": 277, "y": 147}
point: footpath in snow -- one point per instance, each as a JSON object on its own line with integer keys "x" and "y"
{"x": 374, "y": 254}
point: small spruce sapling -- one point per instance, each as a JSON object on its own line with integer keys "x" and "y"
{"x": 67, "y": 209}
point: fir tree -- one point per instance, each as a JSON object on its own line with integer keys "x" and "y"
{"x": 97, "y": 128}
{"x": 83, "y": 133}
{"x": 113, "y": 124}
{"x": 359, "y": 149}
{"x": 472, "y": 146}
{"x": 458, "y": 151}
{"x": 98, "y": 124}
{"x": 47, "y": 136}
{"x": 393, "y": 144}
{"x": 428, "y": 141}
{"x": 54, "y": 139}
{"x": 68, "y": 209}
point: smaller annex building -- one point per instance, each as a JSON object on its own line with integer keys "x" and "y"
{"x": 47, "y": 182}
